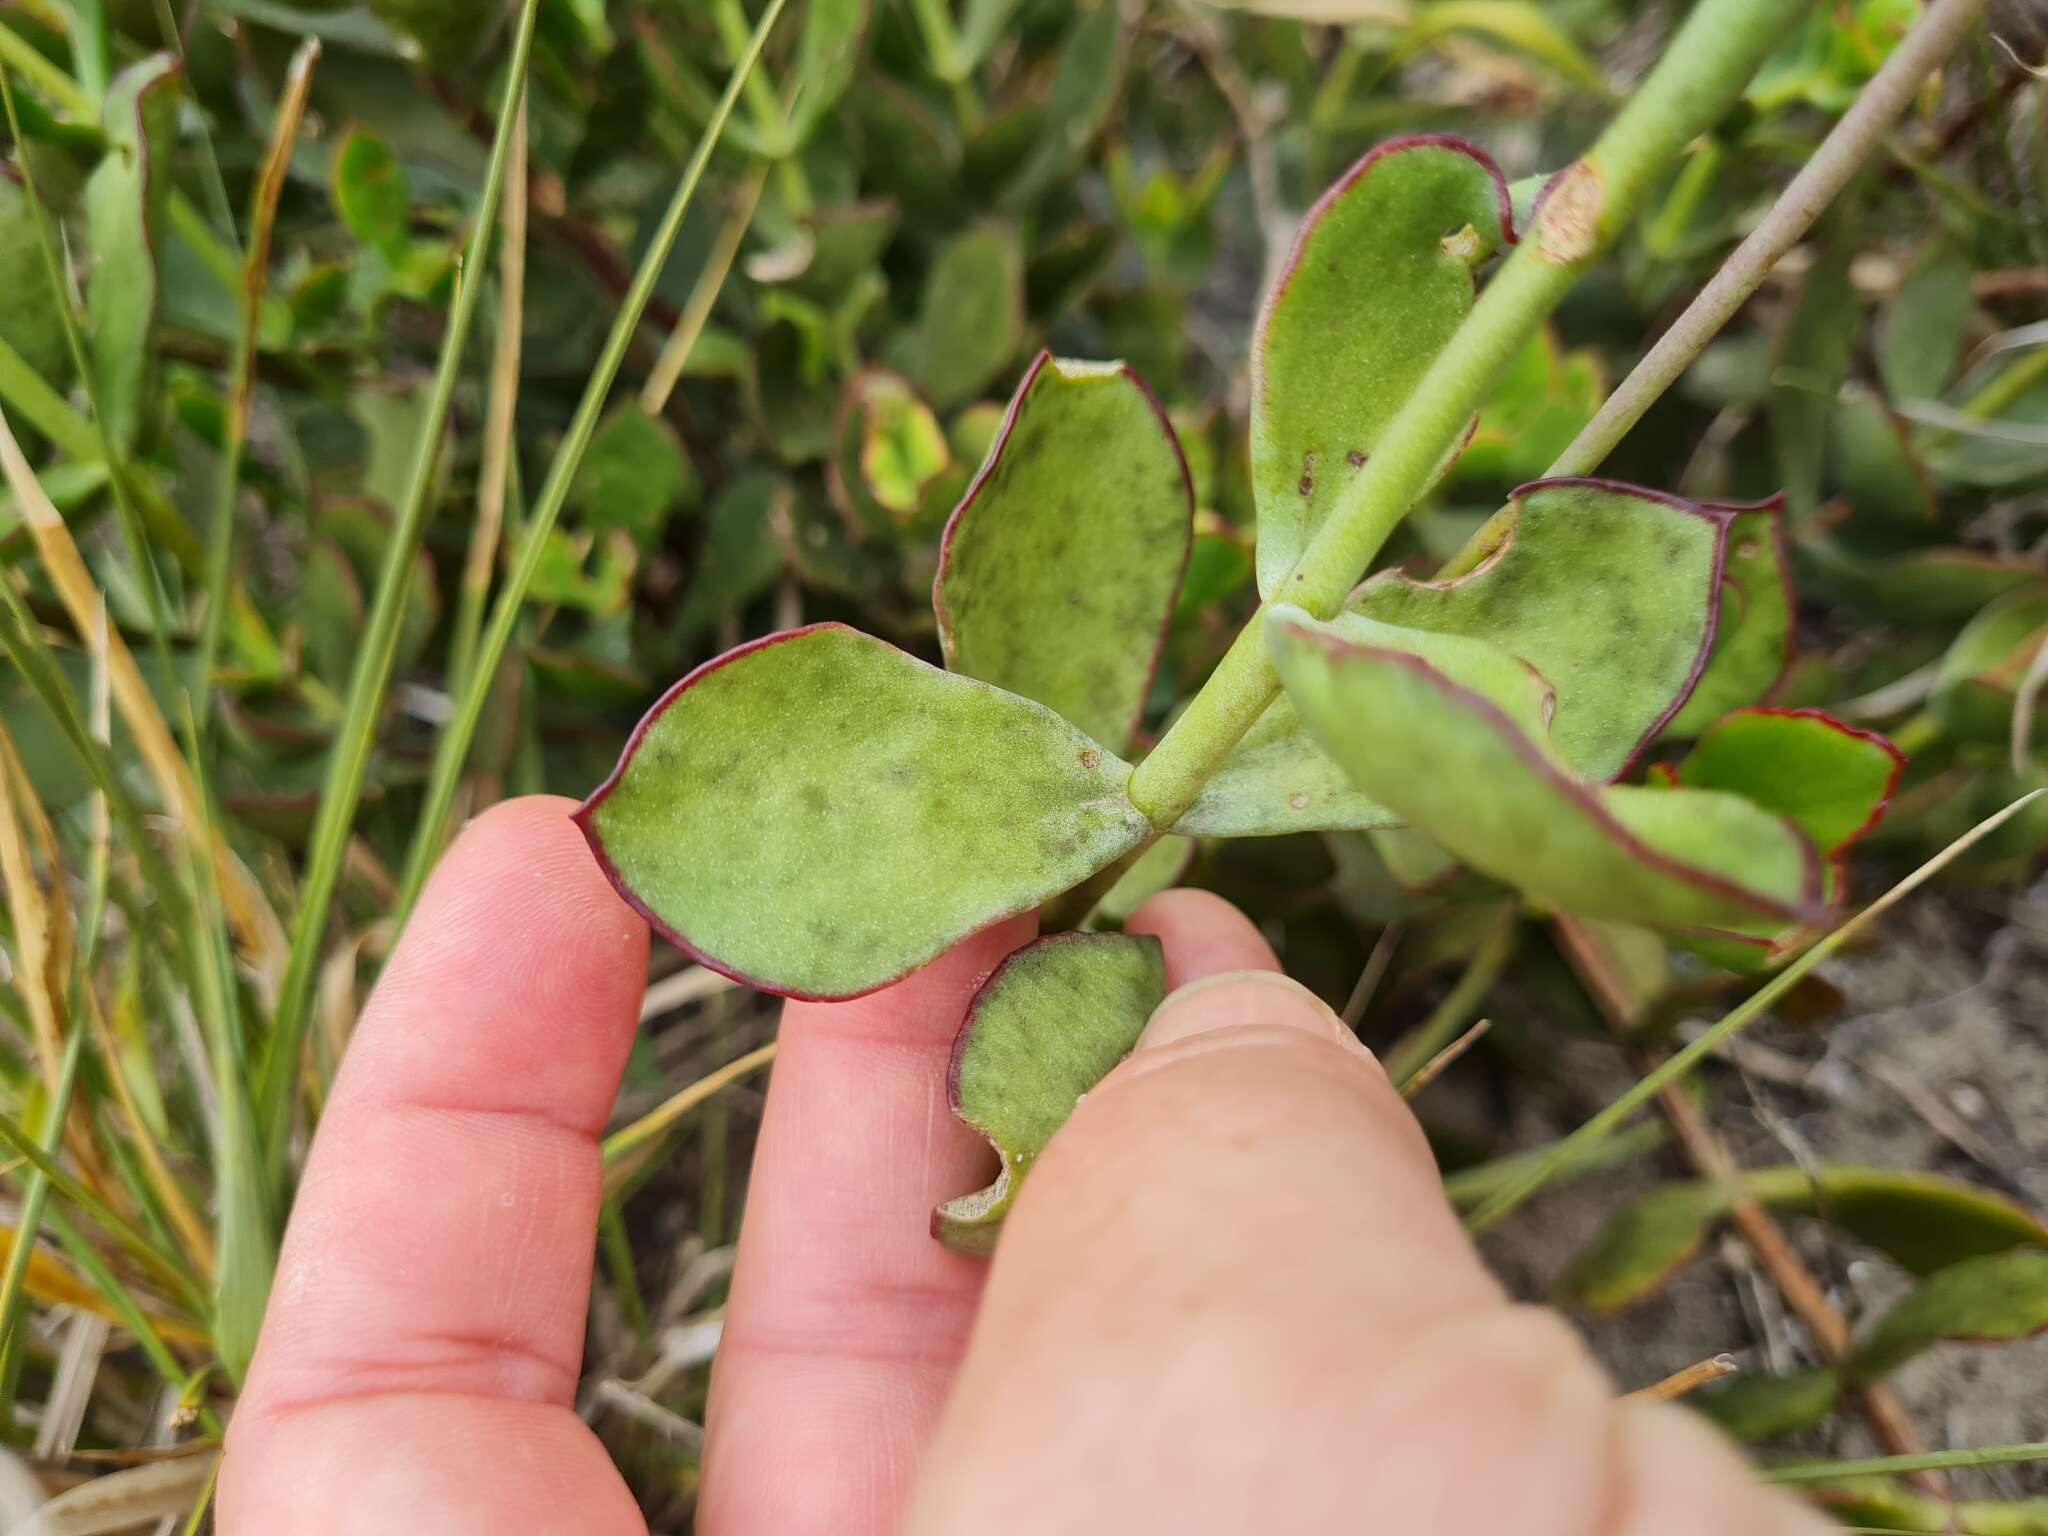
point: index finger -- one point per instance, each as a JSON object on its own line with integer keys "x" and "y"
{"x": 425, "y": 1335}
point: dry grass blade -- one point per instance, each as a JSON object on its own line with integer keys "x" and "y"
{"x": 248, "y": 909}
{"x": 621, "y": 1144}
{"x": 124, "y": 1500}
{"x": 1435, "y": 1067}
{"x": 37, "y": 910}
{"x": 675, "y": 352}
{"x": 689, "y": 985}
{"x": 1691, "y": 1379}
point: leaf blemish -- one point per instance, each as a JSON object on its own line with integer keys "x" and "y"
{"x": 1307, "y": 487}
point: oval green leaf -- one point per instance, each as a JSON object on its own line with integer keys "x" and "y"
{"x": 818, "y": 813}
{"x": 1059, "y": 570}
{"x": 1379, "y": 278}
{"x": 1611, "y": 592}
{"x": 1451, "y": 762}
{"x": 1832, "y": 781}
{"x": 127, "y": 205}
{"x": 1753, "y": 640}
{"x": 1045, "y": 1028}
{"x": 1998, "y": 1296}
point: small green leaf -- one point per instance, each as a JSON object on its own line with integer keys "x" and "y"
{"x": 1874, "y": 469}
{"x": 1753, "y": 641}
{"x": 972, "y": 319}
{"x": 818, "y": 813}
{"x": 127, "y": 204}
{"x": 1379, "y": 278}
{"x": 1830, "y": 780}
{"x": 1922, "y": 1221}
{"x": 740, "y": 555}
{"x": 1755, "y": 1408}
{"x": 1933, "y": 586}
{"x": 1538, "y": 405}
{"x": 1923, "y": 328}
{"x": 1608, "y": 591}
{"x": 1059, "y": 570}
{"x": 1045, "y": 1028}
{"x": 827, "y": 56}
{"x": 1999, "y": 1296}
{"x": 2005, "y": 450}
{"x": 1642, "y": 1246}
{"x": 890, "y": 449}
{"x": 1078, "y": 104}
{"x": 1487, "y": 785}
{"x": 371, "y": 193}
{"x": 633, "y": 475}
{"x": 1980, "y": 674}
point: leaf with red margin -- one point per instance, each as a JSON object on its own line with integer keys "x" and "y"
{"x": 1378, "y": 280}
{"x": 1449, "y": 761}
{"x": 1832, "y": 781}
{"x": 1983, "y": 1300}
{"x": 818, "y": 813}
{"x": 1046, "y": 1027}
{"x": 1610, "y": 591}
{"x": 1059, "y": 570}
{"x": 1753, "y": 643}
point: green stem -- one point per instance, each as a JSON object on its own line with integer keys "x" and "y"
{"x": 35, "y": 1194}
{"x": 1459, "y": 1006}
{"x": 452, "y": 751}
{"x": 1924, "y": 1461}
{"x": 350, "y": 763}
{"x": 1703, "y": 70}
{"x": 1759, "y": 1002}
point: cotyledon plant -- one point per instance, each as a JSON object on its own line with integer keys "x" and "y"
{"x": 818, "y": 813}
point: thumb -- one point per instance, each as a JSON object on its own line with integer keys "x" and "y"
{"x": 1232, "y": 1296}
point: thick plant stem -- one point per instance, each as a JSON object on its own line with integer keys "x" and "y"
{"x": 1703, "y": 70}
{"x": 1820, "y": 180}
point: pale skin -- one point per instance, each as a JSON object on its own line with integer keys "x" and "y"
{"x": 1230, "y": 1298}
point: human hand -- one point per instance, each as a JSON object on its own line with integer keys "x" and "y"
{"x": 1230, "y": 1297}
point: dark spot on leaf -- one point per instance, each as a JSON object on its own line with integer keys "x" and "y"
{"x": 1308, "y": 475}
{"x": 1089, "y": 758}
{"x": 1355, "y": 458}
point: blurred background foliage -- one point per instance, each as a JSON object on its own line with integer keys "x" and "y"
{"x": 912, "y": 199}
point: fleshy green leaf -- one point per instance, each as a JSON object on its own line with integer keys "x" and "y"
{"x": 371, "y": 193}
{"x": 1045, "y": 1028}
{"x": 1754, "y": 1408}
{"x": 1642, "y": 1246}
{"x": 1279, "y": 780}
{"x": 890, "y": 449}
{"x": 1058, "y": 572}
{"x": 1999, "y": 1296}
{"x": 1608, "y": 591}
{"x": 1830, "y": 780}
{"x": 633, "y": 475}
{"x": 1923, "y": 329}
{"x": 1933, "y": 586}
{"x": 818, "y": 813}
{"x": 1538, "y": 405}
{"x": 1753, "y": 641}
{"x": 1451, "y": 762}
{"x": 1379, "y": 278}
{"x": 1809, "y": 358}
{"x": 1980, "y": 674}
{"x": 1874, "y": 470}
{"x": 127, "y": 204}
{"x": 972, "y": 319}
{"x": 1922, "y": 1221}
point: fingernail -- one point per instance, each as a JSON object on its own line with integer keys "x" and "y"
{"x": 1236, "y": 998}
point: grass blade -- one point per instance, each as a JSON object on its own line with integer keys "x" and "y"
{"x": 452, "y": 751}
{"x": 350, "y": 763}
{"x": 1574, "y": 1146}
